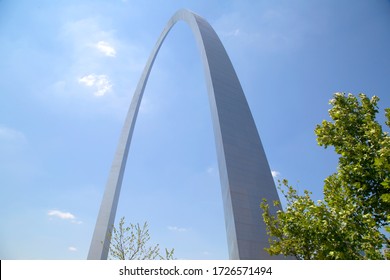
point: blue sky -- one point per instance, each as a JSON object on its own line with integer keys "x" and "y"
{"x": 68, "y": 72}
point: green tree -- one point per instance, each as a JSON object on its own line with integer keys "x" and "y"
{"x": 130, "y": 242}
{"x": 364, "y": 149}
{"x": 347, "y": 223}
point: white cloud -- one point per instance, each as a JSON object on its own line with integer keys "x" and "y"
{"x": 88, "y": 75}
{"x": 72, "y": 249}
{"x": 101, "y": 83}
{"x": 177, "y": 229}
{"x": 106, "y": 48}
{"x": 275, "y": 173}
{"x": 64, "y": 216}
{"x": 61, "y": 215}
{"x": 84, "y": 33}
{"x": 88, "y": 80}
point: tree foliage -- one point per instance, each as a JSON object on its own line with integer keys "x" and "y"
{"x": 364, "y": 149}
{"x": 347, "y": 223}
{"x": 130, "y": 242}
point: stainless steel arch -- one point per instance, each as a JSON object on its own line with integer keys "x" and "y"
{"x": 244, "y": 171}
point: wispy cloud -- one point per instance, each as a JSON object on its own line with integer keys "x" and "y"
{"x": 106, "y": 48}
{"x": 233, "y": 33}
{"x": 61, "y": 215}
{"x": 101, "y": 83}
{"x": 277, "y": 30}
{"x": 89, "y": 49}
{"x": 81, "y": 36}
{"x": 147, "y": 106}
{"x": 89, "y": 80}
{"x": 84, "y": 34}
{"x": 64, "y": 216}
{"x": 7, "y": 133}
{"x": 72, "y": 249}
{"x": 177, "y": 229}
{"x": 210, "y": 170}
{"x": 275, "y": 174}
